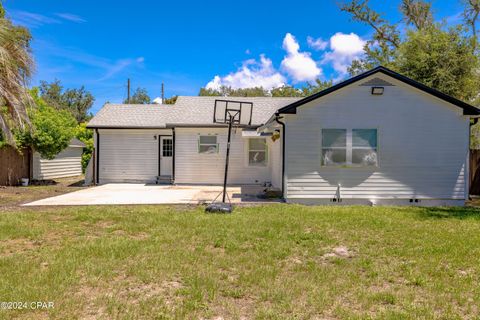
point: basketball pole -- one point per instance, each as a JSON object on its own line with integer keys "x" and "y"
{"x": 228, "y": 157}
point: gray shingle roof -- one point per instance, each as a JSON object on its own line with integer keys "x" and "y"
{"x": 76, "y": 143}
{"x": 186, "y": 111}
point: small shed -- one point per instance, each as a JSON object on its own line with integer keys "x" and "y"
{"x": 67, "y": 163}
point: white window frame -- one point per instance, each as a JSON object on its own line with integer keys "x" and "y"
{"x": 349, "y": 149}
{"x": 207, "y": 144}
{"x": 248, "y": 153}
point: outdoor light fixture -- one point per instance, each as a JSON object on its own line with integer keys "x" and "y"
{"x": 377, "y": 91}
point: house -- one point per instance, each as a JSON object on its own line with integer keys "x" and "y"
{"x": 377, "y": 138}
{"x": 68, "y": 163}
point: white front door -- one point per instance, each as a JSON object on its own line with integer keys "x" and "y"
{"x": 166, "y": 155}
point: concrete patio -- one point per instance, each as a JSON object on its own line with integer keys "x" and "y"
{"x": 125, "y": 194}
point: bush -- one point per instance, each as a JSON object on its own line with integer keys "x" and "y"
{"x": 86, "y": 136}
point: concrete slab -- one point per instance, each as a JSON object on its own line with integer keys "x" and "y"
{"x": 125, "y": 193}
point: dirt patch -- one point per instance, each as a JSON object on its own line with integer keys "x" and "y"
{"x": 294, "y": 261}
{"x": 126, "y": 289}
{"x": 105, "y": 224}
{"x": 135, "y": 236}
{"x": 12, "y": 197}
{"x": 234, "y": 308}
{"x": 23, "y": 245}
{"x": 215, "y": 249}
{"x": 338, "y": 252}
{"x": 16, "y": 246}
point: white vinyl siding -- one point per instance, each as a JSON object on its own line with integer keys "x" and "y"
{"x": 275, "y": 155}
{"x": 129, "y": 155}
{"x": 194, "y": 168}
{"x": 422, "y": 146}
{"x": 67, "y": 163}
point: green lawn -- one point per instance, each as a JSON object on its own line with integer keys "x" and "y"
{"x": 271, "y": 262}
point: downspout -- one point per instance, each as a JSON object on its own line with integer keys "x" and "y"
{"x": 173, "y": 160}
{"x": 277, "y": 120}
{"x": 97, "y": 158}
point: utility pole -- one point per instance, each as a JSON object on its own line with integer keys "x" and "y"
{"x": 128, "y": 90}
{"x": 163, "y": 94}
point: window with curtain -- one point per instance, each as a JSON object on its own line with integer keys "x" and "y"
{"x": 352, "y": 147}
{"x": 334, "y": 147}
{"x": 364, "y": 147}
{"x": 207, "y": 144}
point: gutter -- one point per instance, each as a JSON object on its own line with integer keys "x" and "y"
{"x": 277, "y": 120}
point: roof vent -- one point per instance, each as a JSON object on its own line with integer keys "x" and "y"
{"x": 377, "y": 82}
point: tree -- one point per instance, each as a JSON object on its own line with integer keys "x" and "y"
{"x": 16, "y": 67}
{"x": 225, "y": 91}
{"x": 283, "y": 91}
{"x": 440, "y": 56}
{"x": 171, "y": 100}
{"x": 445, "y": 58}
{"x": 86, "y": 136}
{"x": 140, "y": 96}
{"x": 317, "y": 86}
{"x": 286, "y": 91}
{"x": 51, "y": 129}
{"x": 76, "y": 101}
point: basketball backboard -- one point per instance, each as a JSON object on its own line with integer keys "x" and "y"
{"x": 239, "y": 111}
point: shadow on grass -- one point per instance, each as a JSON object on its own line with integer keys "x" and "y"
{"x": 450, "y": 212}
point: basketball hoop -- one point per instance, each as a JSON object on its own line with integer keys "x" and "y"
{"x": 233, "y": 113}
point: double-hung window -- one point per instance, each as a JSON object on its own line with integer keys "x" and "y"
{"x": 334, "y": 147}
{"x": 207, "y": 144}
{"x": 364, "y": 147}
{"x": 352, "y": 147}
{"x": 257, "y": 152}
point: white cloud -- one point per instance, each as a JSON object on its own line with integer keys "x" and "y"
{"x": 71, "y": 17}
{"x": 317, "y": 44}
{"x": 31, "y": 19}
{"x": 298, "y": 65}
{"x": 157, "y": 100}
{"x": 251, "y": 74}
{"x": 344, "y": 49}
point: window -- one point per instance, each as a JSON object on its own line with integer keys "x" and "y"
{"x": 364, "y": 147}
{"x": 334, "y": 147}
{"x": 257, "y": 152}
{"x": 356, "y": 147}
{"x": 167, "y": 147}
{"x": 207, "y": 144}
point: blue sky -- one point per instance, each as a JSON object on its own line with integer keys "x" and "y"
{"x": 192, "y": 44}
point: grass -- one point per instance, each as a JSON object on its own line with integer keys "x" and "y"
{"x": 265, "y": 262}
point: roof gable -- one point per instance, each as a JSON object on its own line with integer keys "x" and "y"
{"x": 467, "y": 108}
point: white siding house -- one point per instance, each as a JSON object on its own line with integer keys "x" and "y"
{"x": 208, "y": 168}
{"x": 67, "y": 163}
{"x": 378, "y": 138}
{"x": 421, "y": 149}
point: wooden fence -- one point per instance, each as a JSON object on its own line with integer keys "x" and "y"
{"x": 13, "y": 166}
{"x": 475, "y": 172}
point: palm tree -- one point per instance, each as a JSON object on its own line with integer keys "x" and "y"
{"x": 16, "y": 67}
